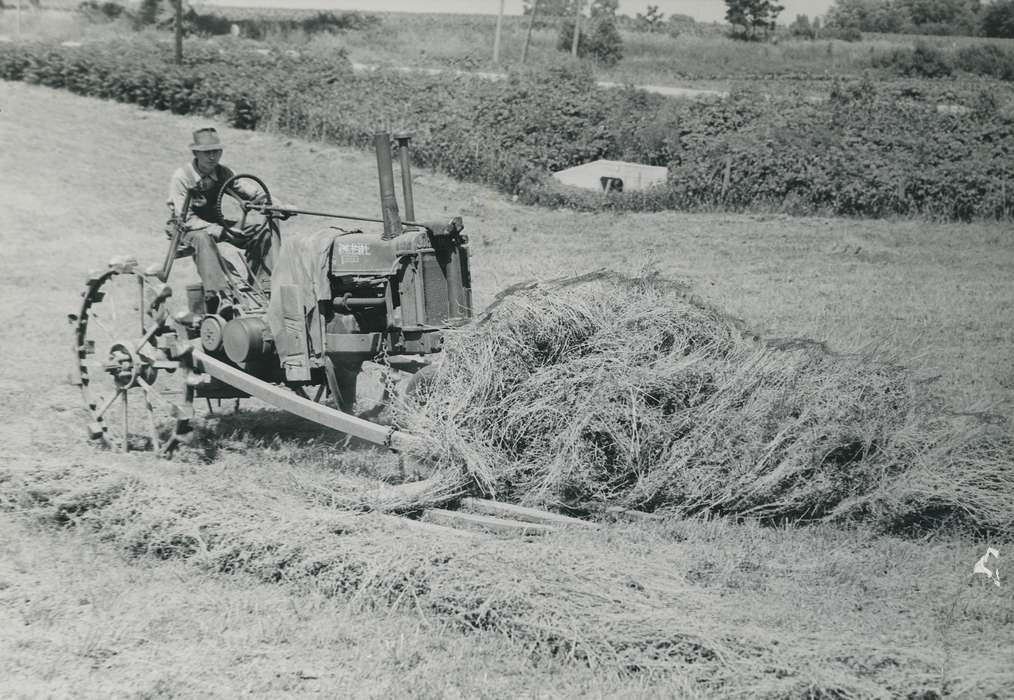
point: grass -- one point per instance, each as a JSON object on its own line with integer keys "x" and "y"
{"x": 827, "y": 609}
{"x": 45, "y": 25}
{"x": 465, "y": 41}
{"x": 81, "y": 619}
{"x": 687, "y": 607}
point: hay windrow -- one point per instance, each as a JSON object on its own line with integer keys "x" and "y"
{"x": 631, "y": 392}
{"x": 613, "y": 602}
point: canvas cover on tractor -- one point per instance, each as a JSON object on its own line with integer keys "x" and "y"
{"x": 303, "y": 265}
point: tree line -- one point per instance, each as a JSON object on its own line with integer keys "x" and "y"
{"x": 942, "y": 17}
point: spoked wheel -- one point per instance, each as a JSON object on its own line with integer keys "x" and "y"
{"x": 118, "y": 362}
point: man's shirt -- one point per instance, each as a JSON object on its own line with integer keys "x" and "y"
{"x": 204, "y": 191}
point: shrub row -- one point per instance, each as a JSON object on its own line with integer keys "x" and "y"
{"x": 859, "y": 153}
{"x": 925, "y": 61}
{"x": 215, "y": 23}
{"x": 211, "y": 81}
{"x": 212, "y": 24}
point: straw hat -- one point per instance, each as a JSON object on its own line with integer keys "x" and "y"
{"x": 206, "y": 140}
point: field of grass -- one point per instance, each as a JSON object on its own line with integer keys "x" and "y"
{"x": 702, "y": 59}
{"x": 237, "y": 568}
{"x": 466, "y": 41}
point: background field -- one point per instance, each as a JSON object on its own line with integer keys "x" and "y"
{"x": 701, "y": 56}
{"x": 848, "y": 149}
{"x": 82, "y": 180}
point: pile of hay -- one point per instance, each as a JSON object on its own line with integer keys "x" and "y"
{"x": 630, "y": 392}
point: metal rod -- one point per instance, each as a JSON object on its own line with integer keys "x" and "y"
{"x": 304, "y": 407}
{"x": 330, "y": 215}
{"x": 151, "y": 424}
{"x": 577, "y": 29}
{"x": 528, "y": 35}
{"x": 357, "y": 302}
{"x": 170, "y": 256}
{"x": 385, "y": 172}
{"x": 178, "y": 31}
{"x": 105, "y": 407}
{"x": 140, "y": 286}
{"x": 126, "y": 424}
{"x": 406, "y": 172}
{"x": 496, "y": 38}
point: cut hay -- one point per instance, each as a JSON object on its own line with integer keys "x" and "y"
{"x": 630, "y": 392}
{"x": 612, "y": 601}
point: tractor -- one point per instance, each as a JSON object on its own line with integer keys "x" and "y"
{"x": 298, "y": 336}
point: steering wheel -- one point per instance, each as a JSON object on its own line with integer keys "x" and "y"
{"x": 233, "y": 204}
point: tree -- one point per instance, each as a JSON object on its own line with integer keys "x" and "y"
{"x": 907, "y": 16}
{"x": 600, "y": 41}
{"x": 552, "y": 8}
{"x": 604, "y": 8}
{"x": 802, "y": 28}
{"x": 651, "y": 21}
{"x": 747, "y": 17}
{"x": 937, "y": 11}
{"x": 605, "y": 43}
{"x": 851, "y": 17}
{"x": 997, "y": 19}
{"x": 148, "y": 11}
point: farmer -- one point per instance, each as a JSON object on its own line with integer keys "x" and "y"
{"x": 203, "y": 178}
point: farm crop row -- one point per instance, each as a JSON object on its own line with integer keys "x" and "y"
{"x": 862, "y": 152}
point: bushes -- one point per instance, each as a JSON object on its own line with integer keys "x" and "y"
{"x": 318, "y": 23}
{"x": 859, "y": 154}
{"x": 105, "y": 10}
{"x": 939, "y": 17}
{"x": 925, "y": 61}
{"x": 921, "y": 61}
{"x": 986, "y": 59}
{"x": 997, "y": 19}
{"x": 237, "y": 86}
{"x": 214, "y": 24}
{"x": 600, "y": 40}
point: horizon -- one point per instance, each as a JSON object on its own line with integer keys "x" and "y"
{"x": 700, "y": 10}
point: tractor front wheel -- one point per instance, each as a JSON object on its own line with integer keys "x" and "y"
{"x": 120, "y": 355}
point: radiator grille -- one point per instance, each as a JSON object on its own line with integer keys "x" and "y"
{"x": 435, "y": 289}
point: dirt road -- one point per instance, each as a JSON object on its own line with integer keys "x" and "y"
{"x": 667, "y": 90}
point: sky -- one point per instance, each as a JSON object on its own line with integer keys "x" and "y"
{"x": 701, "y": 10}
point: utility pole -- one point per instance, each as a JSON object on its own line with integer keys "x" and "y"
{"x": 496, "y": 40}
{"x": 179, "y": 32}
{"x": 19, "y": 19}
{"x": 528, "y": 35}
{"x": 577, "y": 28}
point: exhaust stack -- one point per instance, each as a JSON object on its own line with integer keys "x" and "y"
{"x": 403, "y": 139}
{"x": 385, "y": 171}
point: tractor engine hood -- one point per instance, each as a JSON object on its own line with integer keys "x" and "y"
{"x": 362, "y": 254}
{"x": 367, "y": 254}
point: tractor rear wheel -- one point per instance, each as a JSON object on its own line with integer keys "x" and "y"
{"x": 118, "y": 361}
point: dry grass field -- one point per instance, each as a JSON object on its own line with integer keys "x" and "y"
{"x": 235, "y": 568}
